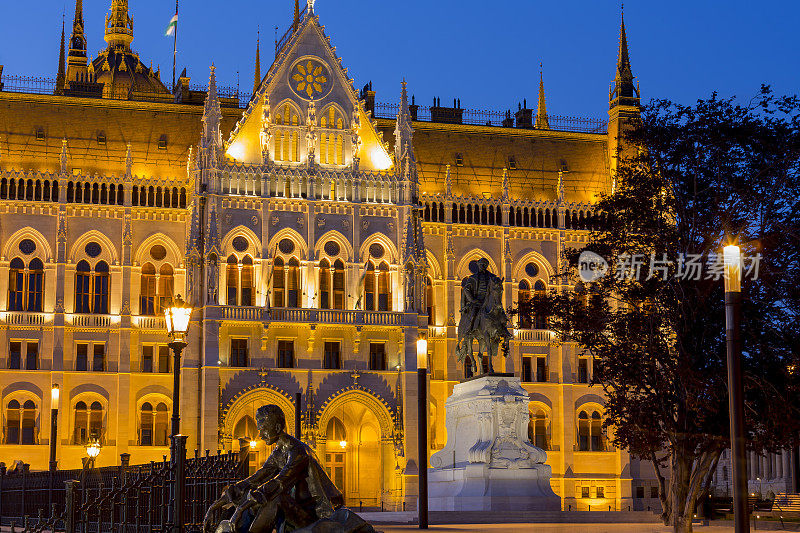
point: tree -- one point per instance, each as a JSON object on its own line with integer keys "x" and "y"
{"x": 691, "y": 179}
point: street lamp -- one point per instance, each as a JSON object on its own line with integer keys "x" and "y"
{"x": 733, "y": 319}
{"x": 92, "y": 451}
{"x": 54, "y": 396}
{"x": 177, "y": 317}
{"x": 422, "y": 429}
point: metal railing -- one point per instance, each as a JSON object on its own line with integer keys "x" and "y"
{"x": 482, "y": 117}
{"x": 44, "y": 85}
{"x": 123, "y": 498}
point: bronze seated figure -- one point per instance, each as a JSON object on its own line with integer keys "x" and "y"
{"x": 290, "y": 492}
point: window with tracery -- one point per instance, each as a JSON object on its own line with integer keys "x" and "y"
{"x": 25, "y": 285}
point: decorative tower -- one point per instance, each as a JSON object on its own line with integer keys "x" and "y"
{"x": 77, "y": 65}
{"x": 541, "y": 111}
{"x": 211, "y": 141}
{"x": 623, "y": 101}
{"x": 119, "y": 26}
{"x": 61, "y": 76}
{"x": 257, "y": 75}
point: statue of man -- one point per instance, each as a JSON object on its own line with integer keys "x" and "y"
{"x": 290, "y": 492}
{"x": 474, "y": 290}
{"x": 482, "y": 316}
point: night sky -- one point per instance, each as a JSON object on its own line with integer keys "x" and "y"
{"x": 485, "y": 53}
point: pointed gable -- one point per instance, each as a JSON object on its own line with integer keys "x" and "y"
{"x": 305, "y": 105}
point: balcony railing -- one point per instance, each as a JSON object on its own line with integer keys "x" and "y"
{"x": 150, "y": 322}
{"x": 542, "y": 335}
{"x": 314, "y": 316}
{"x": 21, "y": 318}
{"x": 90, "y": 321}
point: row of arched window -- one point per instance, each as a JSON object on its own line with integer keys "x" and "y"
{"x": 159, "y": 197}
{"x": 25, "y": 285}
{"x": 240, "y": 280}
{"x": 88, "y": 423}
{"x": 518, "y": 217}
{"x": 29, "y": 189}
{"x": 95, "y": 193}
{"x": 20, "y": 423}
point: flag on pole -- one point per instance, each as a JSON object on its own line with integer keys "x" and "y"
{"x": 173, "y": 24}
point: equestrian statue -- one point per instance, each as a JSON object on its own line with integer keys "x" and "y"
{"x": 482, "y": 318}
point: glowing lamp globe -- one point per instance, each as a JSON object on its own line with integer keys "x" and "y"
{"x": 422, "y": 353}
{"x": 178, "y": 318}
{"x": 343, "y": 444}
{"x": 93, "y": 449}
{"x": 733, "y": 268}
{"x": 54, "y": 396}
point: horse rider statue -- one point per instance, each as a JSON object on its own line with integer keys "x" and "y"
{"x": 482, "y": 318}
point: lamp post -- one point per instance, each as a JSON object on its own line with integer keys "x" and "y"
{"x": 177, "y": 315}
{"x": 733, "y": 304}
{"x": 422, "y": 429}
{"x": 54, "y": 396}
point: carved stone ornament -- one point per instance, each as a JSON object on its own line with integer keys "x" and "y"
{"x": 300, "y": 222}
{"x": 320, "y": 222}
{"x": 346, "y": 223}
{"x": 254, "y": 220}
{"x": 487, "y": 422}
{"x": 274, "y": 220}
{"x": 364, "y": 223}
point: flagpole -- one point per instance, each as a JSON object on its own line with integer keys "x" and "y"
{"x": 174, "y": 48}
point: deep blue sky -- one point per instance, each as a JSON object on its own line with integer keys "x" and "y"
{"x": 487, "y": 53}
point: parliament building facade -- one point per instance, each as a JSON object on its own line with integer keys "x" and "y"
{"x": 316, "y": 239}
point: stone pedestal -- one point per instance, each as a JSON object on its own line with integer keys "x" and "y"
{"x": 488, "y": 463}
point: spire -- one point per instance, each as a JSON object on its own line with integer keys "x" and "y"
{"x": 257, "y": 76}
{"x": 212, "y": 116}
{"x": 623, "y": 91}
{"x": 76, "y": 58}
{"x": 541, "y": 112}
{"x": 119, "y": 26}
{"x": 296, "y": 23}
{"x": 62, "y": 76}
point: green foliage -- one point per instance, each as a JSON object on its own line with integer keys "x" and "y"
{"x": 692, "y": 179}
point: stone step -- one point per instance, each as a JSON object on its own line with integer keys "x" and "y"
{"x": 488, "y": 517}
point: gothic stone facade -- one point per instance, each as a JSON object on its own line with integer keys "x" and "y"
{"x": 316, "y": 245}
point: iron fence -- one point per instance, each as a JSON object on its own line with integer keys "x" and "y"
{"x": 120, "y": 499}
{"x": 479, "y": 117}
{"x": 39, "y": 85}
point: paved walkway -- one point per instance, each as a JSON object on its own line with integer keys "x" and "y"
{"x": 573, "y": 528}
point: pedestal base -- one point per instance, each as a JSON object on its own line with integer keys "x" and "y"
{"x": 488, "y": 464}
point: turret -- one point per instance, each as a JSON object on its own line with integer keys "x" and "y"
{"x": 623, "y": 103}
{"x": 119, "y": 26}
{"x": 211, "y": 141}
{"x": 77, "y": 66}
{"x": 257, "y": 74}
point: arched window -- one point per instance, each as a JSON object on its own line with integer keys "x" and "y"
{"x": 146, "y": 431}
{"x": 598, "y": 440}
{"x": 83, "y": 274}
{"x": 278, "y": 283}
{"x": 16, "y": 285}
{"x": 100, "y": 305}
{"x": 245, "y": 428}
{"x": 96, "y": 422}
{"x": 539, "y": 319}
{"x": 335, "y": 432}
{"x": 338, "y": 284}
{"x": 81, "y": 433}
{"x": 369, "y": 287}
{"x": 523, "y": 299}
{"x": 431, "y": 308}
{"x": 324, "y": 284}
{"x": 147, "y": 290}
{"x": 537, "y": 429}
{"x": 13, "y": 423}
{"x": 584, "y": 431}
{"x": 232, "y": 279}
{"x": 247, "y": 281}
{"x": 166, "y": 287}
{"x": 293, "y": 283}
{"x": 35, "y": 285}
{"x": 160, "y": 433}
{"x": 384, "y": 288}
